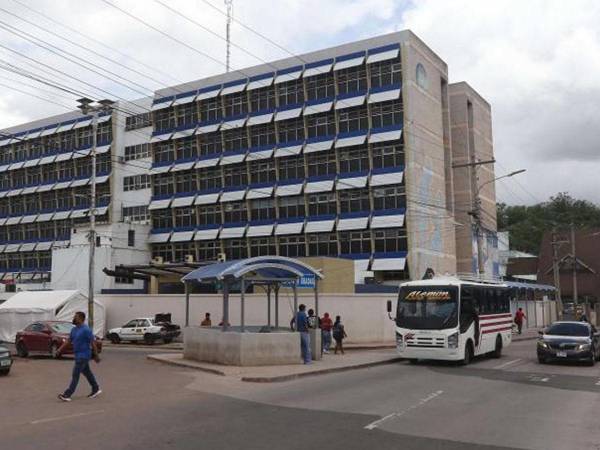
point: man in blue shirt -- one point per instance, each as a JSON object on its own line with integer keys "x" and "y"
{"x": 84, "y": 348}
{"x": 301, "y": 321}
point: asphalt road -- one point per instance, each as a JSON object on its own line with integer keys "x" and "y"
{"x": 512, "y": 402}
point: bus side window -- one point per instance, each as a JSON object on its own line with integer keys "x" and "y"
{"x": 467, "y": 307}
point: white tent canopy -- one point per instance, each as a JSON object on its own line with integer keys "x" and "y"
{"x": 26, "y": 307}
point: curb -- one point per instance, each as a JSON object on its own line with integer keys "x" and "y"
{"x": 184, "y": 364}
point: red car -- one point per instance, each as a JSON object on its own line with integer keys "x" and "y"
{"x": 46, "y": 338}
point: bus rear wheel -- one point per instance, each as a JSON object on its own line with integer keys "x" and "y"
{"x": 468, "y": 354}
{"x": 497, "y": 353}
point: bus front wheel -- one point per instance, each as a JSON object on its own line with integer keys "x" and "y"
{"x": 468, "y": 354}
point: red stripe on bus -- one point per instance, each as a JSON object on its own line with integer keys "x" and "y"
{"x": 496, "y": 323}
{"x": 495, "y": 330}
{"x": 495, "y": 316}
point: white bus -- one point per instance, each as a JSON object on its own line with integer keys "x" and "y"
{"x": 452, "y": 319}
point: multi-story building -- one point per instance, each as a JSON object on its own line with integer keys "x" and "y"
{"x": 343, "y": 152}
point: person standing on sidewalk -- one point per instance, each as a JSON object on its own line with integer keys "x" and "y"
{"x": 339, "y": 333}
{"x": 519, "y": 317}
{"x": 326, "y": 326}
{"x": 84, "y": 348}
{"x": 206, "y": 322}
{"x": 301, "y": 323}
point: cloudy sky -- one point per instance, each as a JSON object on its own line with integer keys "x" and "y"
{"x": 536, "y": 62}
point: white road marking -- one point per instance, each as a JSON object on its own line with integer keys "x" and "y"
{"x": 597, "y": 383}
{"x": 420, "y": 403}
{"x": 509, "y": 363}
{"x": 70, "y": 416}
{"x": 539, "y": 378}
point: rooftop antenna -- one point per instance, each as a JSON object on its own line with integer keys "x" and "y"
{"x": 229, "y": 5}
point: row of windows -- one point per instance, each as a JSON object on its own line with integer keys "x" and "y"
{"x": 317, "y": 125}
{"x": 48, "y": 173}
{"x": 138, "y": 151}
{"x": 136, "y": 182}
{"x": 53, "y": 200}
{"x": 322, "y": 244}
{"x": 25, "y": 261}
{"x": 48, "y": 145}
{"x": 138, "y": 121}
{"x": 325, "y": 85}
{"x": 136, "y": 214}
{"x": 340, "y": 202}
{"x": 351, "y": 159}
{"x": 43, "y": 231}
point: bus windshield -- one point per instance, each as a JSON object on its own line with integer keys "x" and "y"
{"x": 427, "y": 307}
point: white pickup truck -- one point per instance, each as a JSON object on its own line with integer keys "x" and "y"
{"x": 144, "y": 329}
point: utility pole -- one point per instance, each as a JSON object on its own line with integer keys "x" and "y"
{"x": 574, "y": 255}
{"x": 229, "y": 6}
{"x": 85, "y": 104}
{"x": 556, "y": 272}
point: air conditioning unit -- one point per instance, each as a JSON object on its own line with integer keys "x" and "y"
{"x": 189, "y": 258}
{"x": 221, "y": 257}
{"x": 158, "y": 260}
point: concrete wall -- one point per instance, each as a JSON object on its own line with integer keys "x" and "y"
{"x": 364, "y": 315}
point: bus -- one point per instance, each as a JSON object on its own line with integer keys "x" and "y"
{"x": 452, "y": 319}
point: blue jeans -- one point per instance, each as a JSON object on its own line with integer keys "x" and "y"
{"x": 305, "y": 346}
{"x": 82, "y": 366}
{"x": 326, "y": 339}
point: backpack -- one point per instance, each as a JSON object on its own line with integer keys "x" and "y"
{"x": 338, "y": 331}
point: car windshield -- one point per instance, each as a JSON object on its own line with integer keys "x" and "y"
{"x": 62, "y": 327}
{"x": 568, "y": 329}
{"x": 430, "y": 307}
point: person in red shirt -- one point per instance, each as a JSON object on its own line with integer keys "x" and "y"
{"x": 326, "y": 326}
{"x": 519, "y": 317}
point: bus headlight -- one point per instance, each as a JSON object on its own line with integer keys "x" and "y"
{"x": 453, "y": 340}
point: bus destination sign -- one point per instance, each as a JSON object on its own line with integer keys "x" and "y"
{"x": 428, "y": 295}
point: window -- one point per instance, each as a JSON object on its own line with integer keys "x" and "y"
{"x": 30, "y": 231}
{"x": 292, "y": 246}
{"x": 19, "y": 178}
{"x": 31, "y": 203}
{"x": 291, "y": 207}
{"x": 291, "y": 130}
{"x": 136, "y": 214}
{"x": 320, "y": 87}
{"x": 261, "y": 99}
{"x": 385, "y": 73}
{"x": 354, "y": 159}
{"x": 81, "y": 197}
{"x": 235, "y": 175}
{"x": 17, "y": 206}
{"x": 186, "y": 148}
{"x": 67, "y": 142}
{"x": 390, "y": 240}
{"x": 208, "y": 250}
{"x": 386, "y": 114}
{"x": 291, "y": 168}
{"x": 210, "y": 143}
{"x": 209, "y": 215}
{"x": 321, "y": 164}
{"x": 187, "y": 114}
{"x": 104, "y": 133}
{"x": 164, "y": 119}
{"x": 355, "y": 242}
{"x": 63, "y": 229}
{"x": 421, "y": 76}
{"x": 354, "y": 200}
{"x": 46, "y": 230}
{"x": 209, "y": 178}
{"x": 262, "y": 135}
{"x": 103, "y": 163}
{"x": 185, "y": 217}
{"x": 5, "y": 180}
{"x": 353, "y": 79}
{"x": 162, "y": 251}
{"x": 263, "y": 246}
{"x": 235, "y": 248}
{"x": 320, "y": 125}
{"x": 164, "y": 151}
{"x": 34, "y": 175}
{"x": 185, "y": 182}
{"x": 262, "y": 171}
{"x": 386, "y": 155}
{"x": 235, "y": 139}
{"x": 320, "y": 204}
{"x": 131, "y": 238}
{"x": 84, "y": 139}
{"x": 83, "y": 168}
{"x": 210, "y": 110}
{"x": 353, "y": 119}
{"x": 4, "y": 207}
{"x": 392, "y": 197}
{"x": 136, "y": 182}
{"x": 162, "y": 218}
{"x": 16, "y": 233}
{"x": 235, "y": 212}
{"x": 291, "y": 93}
{"x": 138, "y": 121}
{"x": 322, "y": 245}
{"x": 137, "y": 152}
{"x": 163, "y": 184}
{"x": 263, "y": 209}
{"x": 235, "y": 104}
{"x": 181, "y": 251}
{"x": 48, "y": 200}
{"x": 20, "y": 151}
{"x": 63, "y": 199}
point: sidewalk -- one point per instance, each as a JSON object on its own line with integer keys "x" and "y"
{"x": 354, "y": 359}
{"x": 529, "y": 334}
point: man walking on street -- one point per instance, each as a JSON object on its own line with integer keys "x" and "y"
{"x": 519, "y": 317}
{"x": 326, "y": 326}
{"x": 301, "y": 322}
{"x": 84, "y": 348}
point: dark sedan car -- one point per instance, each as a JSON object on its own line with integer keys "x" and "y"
{"x": 46, "y": 338}
{"x": 573, "y": 341}
{"x": 5, "y": 360}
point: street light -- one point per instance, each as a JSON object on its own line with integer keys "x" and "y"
{"x": 476, "y": 214}
{"x": 87, "y": 106}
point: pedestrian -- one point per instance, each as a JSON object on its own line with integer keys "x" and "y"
{"x": 301, "y": 323}
{"x": 206, "y": 322}
{"x": 326, "y": 326}
{"x": 339, "y": 333}
{"x": 519, "y": 317}
{"x": 313, "y": 321}
{"x": 84, "y": 348}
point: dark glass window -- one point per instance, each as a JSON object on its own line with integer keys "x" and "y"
{"x": 291, "y": 168}
{"x": 235, "y": 104}
{"x": 354, "y": 200}
{"x": 391, "y": 197}
{"x": 262, "y": 171}
{"x": 164, "y": 119}
{"x": 262, "y": 135}
{"x": 353, "y": 119}
{"x": 385, "y": 73}
{"x": 321, "y": 164}
{"x": 261, "y": 99}
{"x": 388, "y": 155}
{"x": 138, "y": 121}
{"x": 354, "y": 159}
{"x": 186, "y": 148}
{"x": 235, "y": 175}
{"x": 235, "y": 212}
{"x": 355, "y": 242}
{"x": 162, "y": 251}
{"x": 163, "y": 184}
{"x": 209, "y": 214}
{"x": 291, "y": 207}
{"x": 320, "y": 125}
{"x": 390, "y": 240}
{"x": 164, "y": 151}
{"x": 291, "y": 92}
{"x": 353, "y": 79}
{"x": 185, "y": 181}
{"x": 185, "y": 217}
{"x": 322, "y": 244}
{"x": 292, "y": 246}
{"x": 210, "y": 110}
{"x": 187, "y": 114}
{"x": 235, "y": 139}
{"x": 386, "y": 114}
{"x": 264, "y": 246}
{"x": 235, "y": 248}
{"x": 208, "y": 250}
{"x": 209, "y": 178}
{"x": 319, "y": 204}
{"x": 291, "y": 130}
{"x": 320, "y": 86}
{"x": 262, "y": 209}
{"x": 210, "y": 143}
{"x": 162, "y": 218}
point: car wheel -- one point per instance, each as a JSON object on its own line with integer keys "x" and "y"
{"x": 114, "y": 338}
{"x": 22, "y": 349}
{"x": 497, "y": 353}
{"x": 468, "y": 354}
{"x": 149, "y": 339}
{"x": 54, "y": 351}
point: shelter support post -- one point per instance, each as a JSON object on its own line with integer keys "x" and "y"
{"x": 243, "y": 304}
{"x": 277, "y": 306}
{"x": 317, "y": 297}
{"x": 187, "y": 304}
{"x": 269, "y": 306}
{"x": 225, "y": 321}
{"x": 295, "y": 297}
